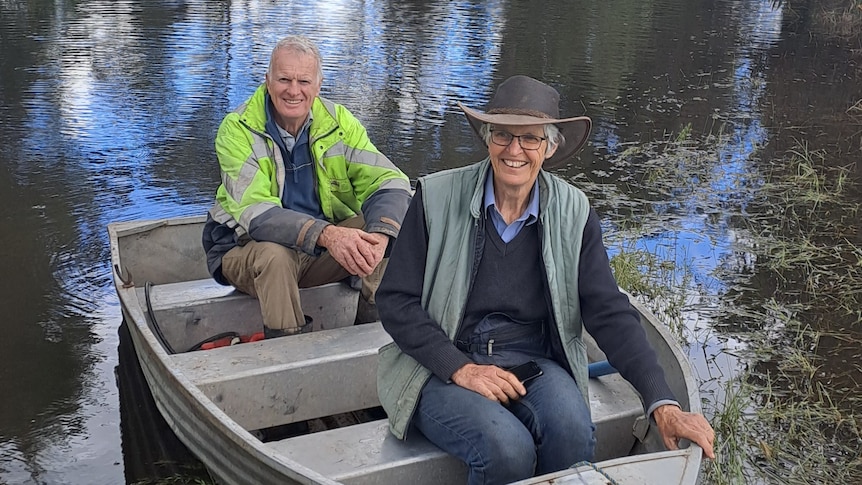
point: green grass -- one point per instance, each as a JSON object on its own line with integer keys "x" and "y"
{"x": 790, "y": 411}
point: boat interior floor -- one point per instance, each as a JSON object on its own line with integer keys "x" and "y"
{"x": 313, "y": 397}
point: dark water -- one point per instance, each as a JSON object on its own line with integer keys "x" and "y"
{"x": 108, "y": 111}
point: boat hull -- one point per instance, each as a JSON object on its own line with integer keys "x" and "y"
{"x": 168, "y": 251}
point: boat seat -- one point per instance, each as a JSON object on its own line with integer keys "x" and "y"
{"x": 190, "y": 311}
{"x": 296, "y": 378}
{"x": 368, "y": 454}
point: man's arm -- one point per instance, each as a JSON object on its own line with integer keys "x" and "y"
{"x": 246, "y": 193}
{"x": 609, "y": 318}
{"x": 399, "y": 300}
{"x": 384, "y": 210}
{"x": 380, "y": 187}
{"x": 290, "y": 228}
{"x": 613, "y": 323}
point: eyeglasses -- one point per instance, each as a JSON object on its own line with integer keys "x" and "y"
{"x": 527, "y": 142}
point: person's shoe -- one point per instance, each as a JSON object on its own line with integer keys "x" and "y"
{"x": 307, "y": 327}
{"x": 269, "y": 333}
{"x": 365, "y": 312}
{"x": 283, "y": 332}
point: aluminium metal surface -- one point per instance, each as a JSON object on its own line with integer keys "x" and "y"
{"x": 165, "y": 252}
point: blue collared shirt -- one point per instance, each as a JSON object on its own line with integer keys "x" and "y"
{"x": 508, "y": 232}
{"x": 300, "y": 183}
{"x": 290, "y": 140}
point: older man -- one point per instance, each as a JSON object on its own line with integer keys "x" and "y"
{"x": 500, "y": 264}
{"x": 306, "y": 199}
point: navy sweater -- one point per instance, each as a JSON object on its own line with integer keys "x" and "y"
{"x": 606, "y": 312}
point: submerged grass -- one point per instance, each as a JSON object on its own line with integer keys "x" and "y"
{"x": 807, "y": 407}
{"x": 176, "y": 473}
{"x": 790, "y": 289}
{"x": 638, "y": 270}
{"x": 838, "y": 19}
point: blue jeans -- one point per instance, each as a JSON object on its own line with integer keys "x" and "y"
{"x": 547, "y": 430}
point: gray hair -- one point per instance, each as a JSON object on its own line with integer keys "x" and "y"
{"x": 552, "y": 133}
{"x": 301, "y": 45}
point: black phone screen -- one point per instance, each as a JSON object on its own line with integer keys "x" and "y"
{"x": 526, "y": 371}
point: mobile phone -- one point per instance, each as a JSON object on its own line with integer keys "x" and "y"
{"x": 526, "y": 371}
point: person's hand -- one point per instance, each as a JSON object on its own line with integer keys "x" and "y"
{"x": 675, "y": 424}
{"x": 357, "y": 251}
{"x": 490, "y": 381}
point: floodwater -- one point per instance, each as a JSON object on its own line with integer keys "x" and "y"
{"x": 108, "y": 111}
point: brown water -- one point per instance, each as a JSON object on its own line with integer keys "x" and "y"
{"x": 108, "y": 111}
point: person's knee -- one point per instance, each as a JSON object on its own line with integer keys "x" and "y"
{"x": 580, "y": 434}
{"x": 273, "y": 257}
{"x": 565, "y": 442}
{"x": 564, "y": 427}
{"x": 507, "y": 456}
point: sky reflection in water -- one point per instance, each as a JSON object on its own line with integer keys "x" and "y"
{"x": 113, "y": 107}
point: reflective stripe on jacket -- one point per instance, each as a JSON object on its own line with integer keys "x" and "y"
{"x": 352, "y": 177}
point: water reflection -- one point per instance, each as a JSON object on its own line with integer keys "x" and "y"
{"x": 152, "y": 453}
{"x": 109, "y": 111}
{"x": 690, "y": 221}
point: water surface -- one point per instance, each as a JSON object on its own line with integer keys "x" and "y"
{"x": 108, "y": 112}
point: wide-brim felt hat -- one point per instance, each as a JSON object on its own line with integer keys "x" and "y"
{"x": 523, "y": 101}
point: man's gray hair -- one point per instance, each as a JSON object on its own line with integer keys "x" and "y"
{"x": 301, "y": 45}
{"x": 552, "y": 133}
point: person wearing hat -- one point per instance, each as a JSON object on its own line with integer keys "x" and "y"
{"x": 498, "y": 264}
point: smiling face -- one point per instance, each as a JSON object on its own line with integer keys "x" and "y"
{"x": 292, "y": 82}
{"x": 516, "y": 169}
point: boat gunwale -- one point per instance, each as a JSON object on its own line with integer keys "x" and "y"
{"x": 155, "y": 361}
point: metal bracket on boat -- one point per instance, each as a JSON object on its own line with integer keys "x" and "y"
{"x": 126, "y": 279}
{"x": 640, "y": 428}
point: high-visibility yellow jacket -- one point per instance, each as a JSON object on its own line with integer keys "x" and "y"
{"x": 352, "y": 177}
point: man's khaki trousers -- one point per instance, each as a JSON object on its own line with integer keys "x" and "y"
{"x": 274, "y": 274}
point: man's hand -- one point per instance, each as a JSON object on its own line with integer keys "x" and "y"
{"x": 675, "y": 424}
{"x": 490, "y": 381}
{"x": 357, "y": 251}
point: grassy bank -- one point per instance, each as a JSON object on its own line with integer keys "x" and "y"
{"x": 788, "y": 285}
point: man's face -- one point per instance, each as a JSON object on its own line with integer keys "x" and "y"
{"x": 514, "y": 167}
{"x": 292, "y": 83}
